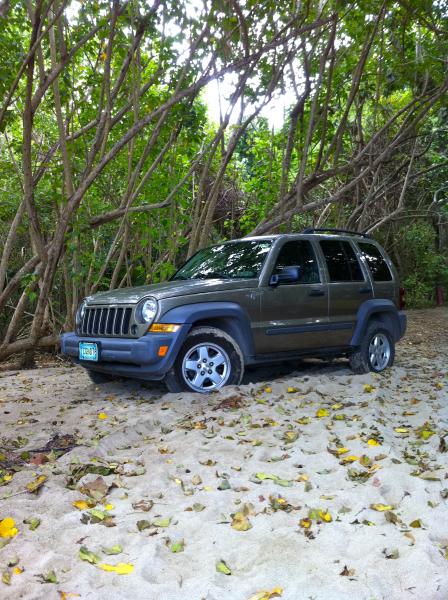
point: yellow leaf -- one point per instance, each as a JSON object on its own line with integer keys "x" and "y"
{"x": 401, "y": 430}
{"x": 8, "y": 528}
{"x": 267, "y": 595}
{"x": 17, "y": 570}
{"x": 337, "y": 406}
{"x": 65, "y": 595}
{"x": 102, "y": 416}
{"x": 325, "y": 516}
{"x": 373, "y": 442}
{"x": 108, "y": 506}
{"x": 103, "y": 56}
{"x": 37, "y": 483}
{"x": 120, "y": 568}
{"x": 80, "y": 504}
{"x": 240, "y": 522}
{"x": 439, "y": 385}
{"x": 381, "y": 507}
{"x": 322, "y": 412}
{"x": 305, "y": 523}
{"x": 268, "y": 390}
{"x": 341, "y": 450}
{"x": 291, "y": 390}
{"x": 368, "y": 388}
{"x": 349, "y": 459}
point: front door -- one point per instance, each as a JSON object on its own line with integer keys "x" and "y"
{"x": 293, "y": 314}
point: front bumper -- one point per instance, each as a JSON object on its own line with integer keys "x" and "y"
{"x": 129, "y": 357}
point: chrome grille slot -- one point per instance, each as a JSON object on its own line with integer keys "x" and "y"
{"x": 114, "y": 321}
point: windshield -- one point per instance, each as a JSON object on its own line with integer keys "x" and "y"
{"x": 234, "y": 260}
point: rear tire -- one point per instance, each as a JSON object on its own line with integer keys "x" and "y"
{"x": 376, "y": 352}
{"x": 208, "y": 360}
{"x": 98, "y": 378}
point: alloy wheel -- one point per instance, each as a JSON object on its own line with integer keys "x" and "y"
{"x": 205, "y": 367}
{"x": 379, "y": 351}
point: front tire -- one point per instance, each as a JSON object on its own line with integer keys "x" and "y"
{"x": 376, "y": 352}
{"x": 208, "y": 360}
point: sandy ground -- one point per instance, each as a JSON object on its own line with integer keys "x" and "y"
{"x": 271, "y": 456}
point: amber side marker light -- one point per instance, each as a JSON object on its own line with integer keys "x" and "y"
{"x": 162, "y": 350}
{"x": 164, "y": 328}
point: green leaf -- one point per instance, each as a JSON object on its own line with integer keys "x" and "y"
{"x": 221, "y": 567}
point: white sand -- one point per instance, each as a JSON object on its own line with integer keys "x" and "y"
{"x": 146, "y": 427}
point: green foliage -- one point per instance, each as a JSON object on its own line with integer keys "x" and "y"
{"x": 424, "y": 268}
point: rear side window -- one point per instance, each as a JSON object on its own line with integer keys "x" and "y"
{"x": 377, "y": 265}
{"x": 341, "y": 261}
{"x": 299, "y": 253}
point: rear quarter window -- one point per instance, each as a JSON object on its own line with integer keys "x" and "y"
{"x": 375, "y": 261}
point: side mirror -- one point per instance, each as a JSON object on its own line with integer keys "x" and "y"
{"x": 287, "y": 275}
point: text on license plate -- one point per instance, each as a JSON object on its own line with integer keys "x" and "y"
{"x": 88, "y": 351}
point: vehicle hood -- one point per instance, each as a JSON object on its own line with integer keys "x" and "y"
{"x": 169, "y": 289}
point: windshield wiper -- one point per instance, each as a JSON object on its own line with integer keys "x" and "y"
{"x": 212, "y": 275}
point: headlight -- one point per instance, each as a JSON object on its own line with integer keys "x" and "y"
{"x": 80, "y": 312}
{"x": 148, "y": 310}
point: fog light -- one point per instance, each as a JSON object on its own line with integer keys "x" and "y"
{"x": 164, "y": 328}
{"x": 163, "y": 350}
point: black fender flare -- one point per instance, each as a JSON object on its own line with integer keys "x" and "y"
{"x": 384, "y": 311}
{"x": 228, "y": 316}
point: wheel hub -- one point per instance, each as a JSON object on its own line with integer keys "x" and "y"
{"x": 379, "y": 351}
{"x": 206, "y": 367}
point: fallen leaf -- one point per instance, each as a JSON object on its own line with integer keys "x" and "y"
{"x": 221, "y": 567}
{"x": 117, "y": 549}
{"x": 36, "y": 484}
{"x": 267, "y": 595}
{"x": 49, "y": 577}
{"x": 415, "y": 524}
{"x": 143, "y": 524}
{"x": 144, "y": 505}
{"x": 164, "y": 522}
{"x": 119, "y": 569}
{"x": 305, "y": 523}
{"x": 102, "y": 416}
{"x": 240, "y": 522}
{"x": 322, "y": 412}
{"x": 346, "y": 572}
{"x": 8, "y": 528}
{"x": 90, "y": 557}
{"x": 368, "y": 388}
{"x": 80, "y": 504}
{"x": 381, "y": 507}
{"x": 178, "y": 546}
{"x": 373, "y": 442}
{"x": 33, "y": 522}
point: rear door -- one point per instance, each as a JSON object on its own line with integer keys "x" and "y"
{"x": 349, "y": 286}
{"x": 293, "y": 313}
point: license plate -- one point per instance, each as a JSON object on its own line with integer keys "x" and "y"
{"x": 88, "y": 351}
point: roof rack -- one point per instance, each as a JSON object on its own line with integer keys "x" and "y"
{"x": 330, "y": 230}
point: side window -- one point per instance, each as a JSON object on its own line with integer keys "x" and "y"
{"x": 299, "y": 254}
{"x": 341, "y": 261}
{"x": 377, "y": 265}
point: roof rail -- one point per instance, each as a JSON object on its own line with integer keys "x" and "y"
{"x": 330, "y": 230}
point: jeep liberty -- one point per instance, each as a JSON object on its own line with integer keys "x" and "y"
{"x": 324, "y": 292}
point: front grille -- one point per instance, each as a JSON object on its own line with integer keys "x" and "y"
{"x": 106, "y": 320}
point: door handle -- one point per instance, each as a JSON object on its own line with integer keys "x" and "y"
{"x": 366, "y": 290}
{"x": 316, "y": 293}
